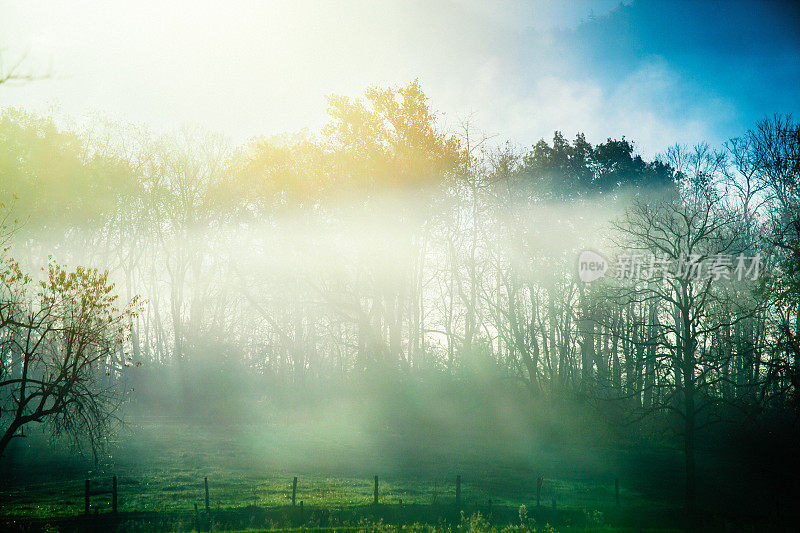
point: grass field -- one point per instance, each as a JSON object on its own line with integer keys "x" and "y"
{"x": 250, "y": 489}
{"x": 165, "y": 500}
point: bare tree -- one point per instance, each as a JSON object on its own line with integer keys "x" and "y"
{"x": 14, "y": 71}
{"x": 689, "y": 233}
{"x": 773, "y": 150}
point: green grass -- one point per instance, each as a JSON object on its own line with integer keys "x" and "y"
{"x": 178, "y": 489}
{"x": 165, "y": 499}
{"x": 160, "y": 479}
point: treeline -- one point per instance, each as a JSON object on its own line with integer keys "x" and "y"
{"x": 389, "y": 242}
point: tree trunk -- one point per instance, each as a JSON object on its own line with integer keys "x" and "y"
{"x": 689, "y": 449}
{"x": 7, "y": 436}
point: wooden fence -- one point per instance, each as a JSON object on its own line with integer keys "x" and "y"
{"x": 88, "y": 493}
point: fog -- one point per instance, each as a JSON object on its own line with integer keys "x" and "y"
{"x": 395, "y": 294}
{"x": 320, "y": 329}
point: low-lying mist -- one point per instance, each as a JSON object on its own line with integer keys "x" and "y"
{"x": 288, "y": 351}
{"x": 385, "y": 298}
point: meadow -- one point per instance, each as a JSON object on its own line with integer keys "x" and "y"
{"x": 160, "y": 484}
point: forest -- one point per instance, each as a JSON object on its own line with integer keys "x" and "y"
{"x": 396, "y": 322}
{"x": 390, "y": 281}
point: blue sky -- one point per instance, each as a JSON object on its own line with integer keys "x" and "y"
{"x": 657, "y": 72}
{"x": 739, "y": 57}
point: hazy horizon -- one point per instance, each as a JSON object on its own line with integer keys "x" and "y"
{"x": 656, "y": 72}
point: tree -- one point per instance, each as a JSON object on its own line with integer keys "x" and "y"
{"x": 769, "y": 155}
{"x": 60, "y": 182}
{"x": 14, "y": 72}
{"x": 59, "y": 344}
{"x": 686, "y": 234}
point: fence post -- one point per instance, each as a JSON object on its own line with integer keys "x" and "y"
{"x": 114, "y": 495}
{"x": 208, "y": 506}
{"x": 375, "y": 500}
{"x": 458, "y": 491}
{"x": 294, "y": 490}
{"x": 539, "y": 491}
{"x": 196, "y": 518}
{"x": 616, "y": 490}
{"x": 86, "y": 499}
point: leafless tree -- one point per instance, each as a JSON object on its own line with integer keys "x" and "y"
{"x": 687, "y": 233}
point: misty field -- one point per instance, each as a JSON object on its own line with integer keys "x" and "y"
{"x": 161, "y": 468}
{"x": 161, "y": 487}
{"x": 444, "y": 266}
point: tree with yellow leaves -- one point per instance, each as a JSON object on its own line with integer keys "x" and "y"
{"x": 59, "y": 341}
